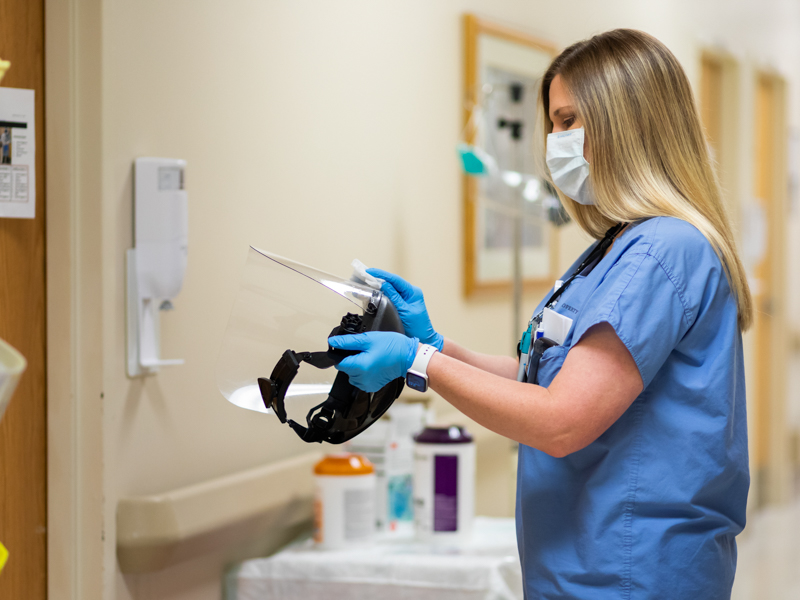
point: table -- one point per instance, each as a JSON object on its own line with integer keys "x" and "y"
{"x": 485, "y": 568}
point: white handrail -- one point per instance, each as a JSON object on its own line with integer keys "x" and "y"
{"x": 243, "y": 514}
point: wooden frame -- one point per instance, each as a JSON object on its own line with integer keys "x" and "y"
{"x": 767, "y": 346}
{"x": 712, "y": 73}
{"x": 474, "y": 27}
{"x": 771, "y": 443}
{"x": 720, "y": 111}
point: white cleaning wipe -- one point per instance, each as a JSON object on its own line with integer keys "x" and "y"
{"x": 360, "y": 275}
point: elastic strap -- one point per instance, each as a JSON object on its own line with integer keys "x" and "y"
{"x": 273, "y": 389}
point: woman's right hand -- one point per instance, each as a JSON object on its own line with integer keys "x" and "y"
{"x": 410, "y": 305}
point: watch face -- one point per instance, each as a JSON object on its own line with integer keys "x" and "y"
{"x": 416, "y": 382}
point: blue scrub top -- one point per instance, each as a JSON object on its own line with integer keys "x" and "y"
{"x": 652, "y": 507}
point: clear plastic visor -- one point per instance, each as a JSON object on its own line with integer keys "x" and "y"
{"x": 283, "y": 305}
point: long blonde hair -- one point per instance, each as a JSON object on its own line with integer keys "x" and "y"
{"x": 650, "y": 156}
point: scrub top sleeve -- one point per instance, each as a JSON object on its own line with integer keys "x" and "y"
{"x": 642, "y": 301}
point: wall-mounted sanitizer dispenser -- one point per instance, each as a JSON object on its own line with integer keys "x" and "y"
{"x": 157, "y": 263}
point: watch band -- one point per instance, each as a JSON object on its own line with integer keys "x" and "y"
{"x": 423, "y": 357}
{"x": 417, "y": 376}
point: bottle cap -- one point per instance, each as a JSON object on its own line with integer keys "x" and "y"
{"x": 452, "y": 434}
{"x": 344, "y": 464}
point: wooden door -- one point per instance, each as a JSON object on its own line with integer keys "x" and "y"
{"x": 720, "y": 114}
{"x": 764, "y": 288}
{"x": 23, "y": 441}
{"x": 711, "y": 109}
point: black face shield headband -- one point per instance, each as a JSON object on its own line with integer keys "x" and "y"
{"x": 348, "y": 410}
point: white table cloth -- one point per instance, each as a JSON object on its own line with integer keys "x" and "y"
{"x": 484, "y": 568}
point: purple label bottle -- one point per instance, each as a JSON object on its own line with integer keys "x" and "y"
{"x": 444, "y": 483}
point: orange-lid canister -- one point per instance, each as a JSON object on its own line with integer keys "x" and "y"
{"x": 344, "y": 464}
{"x": 344, "y": 507}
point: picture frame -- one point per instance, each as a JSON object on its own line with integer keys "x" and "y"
{"x": 497, "y": 59}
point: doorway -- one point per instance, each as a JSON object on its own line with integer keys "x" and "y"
{"x": 770, "y": 446}
{"x": 23, "y": 430}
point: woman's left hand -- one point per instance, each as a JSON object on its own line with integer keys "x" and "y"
{"x": 410, "y": 304}
{"x": 383, "y": 357}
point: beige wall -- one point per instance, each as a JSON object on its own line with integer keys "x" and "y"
{"x": 319, "y": 130}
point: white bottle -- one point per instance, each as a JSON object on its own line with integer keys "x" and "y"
{"x": 373, "y": 445}
{"x": 344, "y": 508}
{"x": 406, "y": 421}
{"x": 389, "y": 445}
{"x": 444, "y": 484}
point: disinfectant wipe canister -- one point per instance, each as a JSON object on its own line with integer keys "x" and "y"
{"x": 444, "y": 483}
{"x": 344, "y": 508}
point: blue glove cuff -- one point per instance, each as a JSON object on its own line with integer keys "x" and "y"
{"x": 413, "y": 346}
{"x": 436, "y": 340}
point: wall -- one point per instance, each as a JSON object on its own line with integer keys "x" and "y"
{"x": 322, "y": 131}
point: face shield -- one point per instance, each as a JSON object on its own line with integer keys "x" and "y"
{"x": 275, "y": 357}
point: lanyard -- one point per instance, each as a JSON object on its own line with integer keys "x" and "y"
{"x": 599, "y": 251}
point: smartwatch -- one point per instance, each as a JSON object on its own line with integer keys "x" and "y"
{"x": 417, "y": 375}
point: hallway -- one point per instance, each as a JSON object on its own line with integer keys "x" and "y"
{"x": 769, "y": 555}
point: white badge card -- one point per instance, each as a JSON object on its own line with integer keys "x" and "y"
{"x": 556, "y": 326}
{"x": 17, "y": 154}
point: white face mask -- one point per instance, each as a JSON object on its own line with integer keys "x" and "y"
{"x": 569, "y": 169}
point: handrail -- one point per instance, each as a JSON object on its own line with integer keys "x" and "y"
{"x": 245, "y": 514}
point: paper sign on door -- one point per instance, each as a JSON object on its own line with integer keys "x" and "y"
{"x": 17, "y": 154}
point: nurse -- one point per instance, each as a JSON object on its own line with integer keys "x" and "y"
{"x": 633, "y": 467}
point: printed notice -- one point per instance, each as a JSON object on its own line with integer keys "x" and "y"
{"x": 17, "y": 154}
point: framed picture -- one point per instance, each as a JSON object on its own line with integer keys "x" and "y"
{"x": 503, "y": 72}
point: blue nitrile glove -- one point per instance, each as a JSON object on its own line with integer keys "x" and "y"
{"x": 384, "y": 356}
{"x": 410, "y": 305}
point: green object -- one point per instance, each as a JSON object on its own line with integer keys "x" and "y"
{"x": 525, "y": 342}
{"x": 475, "y": 161}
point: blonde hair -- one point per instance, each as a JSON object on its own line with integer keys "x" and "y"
{"x": 650, "y": 156}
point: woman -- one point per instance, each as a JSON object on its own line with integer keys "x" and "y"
{"x": 633, "y": 467}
